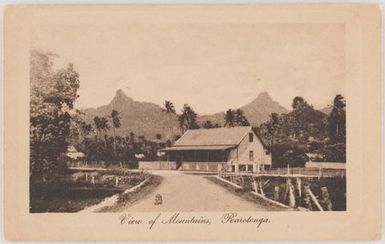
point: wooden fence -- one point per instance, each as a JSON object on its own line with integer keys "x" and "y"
{"x": 99, "y": 164}
{"x": 303, "y": 188}
{"x": 293, "y": 172}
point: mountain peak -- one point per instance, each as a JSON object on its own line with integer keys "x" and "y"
{"x": 120, "y": 93}
{"x": 264, "y": 96}
{"x": 259, "y": 110}
{"x": 121, "y": 98}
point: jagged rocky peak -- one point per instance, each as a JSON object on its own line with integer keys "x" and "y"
{"x": 121, "y": 97}
{"x": 264, "y": 99}
{"x": 263, "y": 96}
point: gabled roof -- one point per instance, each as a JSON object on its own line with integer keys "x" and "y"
{"x": 213, "y": 137}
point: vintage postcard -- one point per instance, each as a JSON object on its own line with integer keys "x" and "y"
{"x": 193, "y": 122}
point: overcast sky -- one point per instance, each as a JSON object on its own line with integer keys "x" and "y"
{"x": 211, "y": 67}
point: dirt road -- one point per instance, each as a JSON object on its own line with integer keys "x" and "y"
{"x": 186, "y": 192}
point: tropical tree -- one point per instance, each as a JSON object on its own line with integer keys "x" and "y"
{"x": 337, "y": 120}
{"x": 208, "y": 125}
{"x": 169, "y": 107}
{"x": 230, "y": 118}
{"x": 298, "y": 103}
{"x": 115, "y": 117}
{"x": 101, "y": 125}
{"x": 235, "y": 118}
{"x": 240, "y": 118}
{"x": 159, "y": 142}
{"x": 305, "y": 129}
{"x": 85, "y": 128}
{"x": 272, "y": 128}
{"x": 187, "y": 118}
{"x": 52, "y": 95}
{"x": 170, "y": 110}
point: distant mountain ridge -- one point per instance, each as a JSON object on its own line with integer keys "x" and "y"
{"x": 141, "y": 118}
{"x": 149, "y": 119}
{"x": 258, "y": 111}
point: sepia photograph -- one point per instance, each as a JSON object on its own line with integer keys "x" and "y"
{"x": 145, "y": 122}
{"x": 219, "y": 118}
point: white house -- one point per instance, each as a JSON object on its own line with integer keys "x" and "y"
{"x": 231, "y": 149}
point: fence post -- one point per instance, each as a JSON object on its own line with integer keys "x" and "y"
{"x": 261, "y": 187}
{"x": 306, "y": 197}
{"x": 291, "y": 194}
{"x": 276, "y": 193}
{"x": 86, "y": 176}
{"x": 288, "y": 169}
{"x": 93, "y": 180}
{"x": 299, "y": 187}
{"x": 326, "y": 198}
{"x": 255, "y": 187}
{"x": 116, "y": 180}
{"x": 315, "y": 200}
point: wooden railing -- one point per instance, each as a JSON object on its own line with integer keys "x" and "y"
{"x": 294, "y": 172}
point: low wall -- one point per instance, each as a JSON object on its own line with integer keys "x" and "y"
{"x": 202, "y": 166}
{"x": 157, "y": 165}
{"x": 326, "y": 165}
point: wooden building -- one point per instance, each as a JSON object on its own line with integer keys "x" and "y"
{"x": 230, "y": 149}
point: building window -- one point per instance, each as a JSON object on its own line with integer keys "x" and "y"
{"x": 251, "y": 137}
{"x": 251, "y": 155}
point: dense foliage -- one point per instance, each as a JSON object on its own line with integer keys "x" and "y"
{"x": 306, "y": 134}
{"x": 120, "y": 151}
{"x": 52, "y": 95}
{"x": 188, "y": 118}
{"x": 235, "y": 118}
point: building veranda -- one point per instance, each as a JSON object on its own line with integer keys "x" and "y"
{"x": 218, "y": 149}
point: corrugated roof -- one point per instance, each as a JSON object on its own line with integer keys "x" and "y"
{"x": 213, "y": 137}
{"x": 192, "y": 148}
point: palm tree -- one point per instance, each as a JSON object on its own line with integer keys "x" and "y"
{"x": 115, "y": 117}
{"x": 240, "y": 118}
{"x": 187, "y": 119}
{"x": 169, "y": 107}
{"x": 97, "y": 122}
{"x": 337, "y": 120}
{"x": 230, "y": 118}
{"x": 104, "y": 124}
{"x": 101, "y": 124}
{"x": 85, "y": 128}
